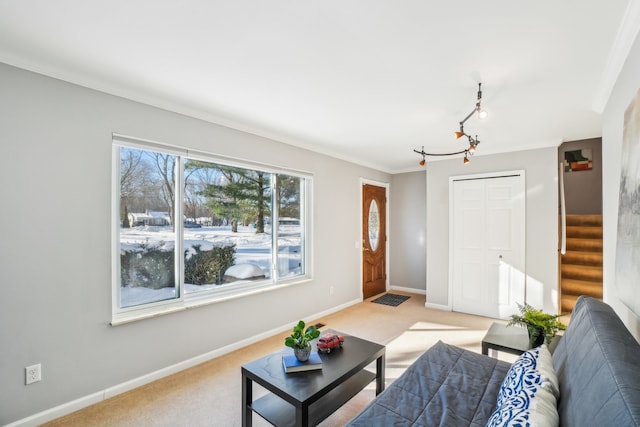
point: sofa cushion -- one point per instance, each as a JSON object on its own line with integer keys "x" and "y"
{"x": 598, "y": 366}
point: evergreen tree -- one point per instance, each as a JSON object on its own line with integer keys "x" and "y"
{"x": 241, "y": 195}
{"x": 288, "y": 196}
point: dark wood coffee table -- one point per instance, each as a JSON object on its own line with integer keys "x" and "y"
{"x": 307, "y": 398}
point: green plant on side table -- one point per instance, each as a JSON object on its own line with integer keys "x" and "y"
{"x": 541, "y": 326}
{"x": 300, "y": 340}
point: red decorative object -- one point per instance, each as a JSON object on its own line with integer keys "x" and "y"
{"x": 329, "y": 341}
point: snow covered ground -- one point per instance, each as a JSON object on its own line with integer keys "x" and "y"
{"x": 251, "y": 249}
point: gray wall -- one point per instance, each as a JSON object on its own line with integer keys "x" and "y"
{"x": 541, "y": 171}
{"x": 408, "y": 228}
{"x": 583, "y": 190}
{"x": 55, "y": 266}
{"x": 624, "y": 91}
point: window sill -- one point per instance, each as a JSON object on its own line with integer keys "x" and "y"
{"x": 198, "y": 300}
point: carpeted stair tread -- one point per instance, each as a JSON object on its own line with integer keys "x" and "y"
{"x": 582, "y": 287}
{"x": 582, "y": 272}
{"x": 582, "y": 258}
{"x": 584, "y": 232}
{"x": 567, "y": 302}
{"x": 577, "y": 244}
{"x": 588, "y": 220}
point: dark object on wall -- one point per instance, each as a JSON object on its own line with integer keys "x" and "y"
{"x": 578, "y": 160}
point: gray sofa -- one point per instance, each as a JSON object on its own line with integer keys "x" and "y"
{"x": 597, "y": 362}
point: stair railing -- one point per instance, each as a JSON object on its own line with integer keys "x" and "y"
{"x": 563, "y": 214}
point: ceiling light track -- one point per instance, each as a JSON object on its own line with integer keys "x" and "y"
{"x": 473, "y": 142}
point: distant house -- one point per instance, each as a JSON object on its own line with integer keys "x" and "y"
{"x": 288, "y": 221}
{"x": 149, "y": 218}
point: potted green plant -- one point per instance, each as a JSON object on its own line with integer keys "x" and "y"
{"x": 300, "y": 340}
{"x": 541, "y": 326}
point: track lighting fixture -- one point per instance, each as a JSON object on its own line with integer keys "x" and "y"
{"x": 473, "y": 142}
{"x": 482, "y": 114}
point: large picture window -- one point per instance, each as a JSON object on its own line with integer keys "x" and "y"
{"x": 191, "y": 228}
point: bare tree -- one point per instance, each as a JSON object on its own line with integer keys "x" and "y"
{"x": 166, "y": 168}
{"x": 134, "y": 178}
{"x": 197, "y": 178}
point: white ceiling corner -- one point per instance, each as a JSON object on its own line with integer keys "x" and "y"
{"x": 627, "y": 34}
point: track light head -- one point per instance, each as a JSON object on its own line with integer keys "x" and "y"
{"x": 459, "y": 134}
{"x": 473, "y": 143}
{"x": 466, "y": 159}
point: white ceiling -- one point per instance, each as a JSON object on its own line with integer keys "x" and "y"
{"x": 363, "y": 80}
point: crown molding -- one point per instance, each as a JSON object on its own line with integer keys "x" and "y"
{"x": 627, "y": 33}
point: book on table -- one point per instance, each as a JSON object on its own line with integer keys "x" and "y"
{"x": 291, "y": 364}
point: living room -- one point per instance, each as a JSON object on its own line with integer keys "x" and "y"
{"x": 56, "y": 310}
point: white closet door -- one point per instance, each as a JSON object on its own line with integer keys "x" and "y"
{"x": 488, "y": 244}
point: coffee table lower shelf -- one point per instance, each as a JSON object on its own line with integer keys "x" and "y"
{"x": 281, "y": 413}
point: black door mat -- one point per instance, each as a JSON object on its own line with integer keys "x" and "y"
{"x": 393, "y": 300}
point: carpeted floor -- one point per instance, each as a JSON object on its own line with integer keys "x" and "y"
{"x": 210, "y": 394}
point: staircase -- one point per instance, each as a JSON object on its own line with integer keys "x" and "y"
{"x": 581, "y": 266}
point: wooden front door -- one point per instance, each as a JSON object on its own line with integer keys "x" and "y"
{"x": 374, "y": 240}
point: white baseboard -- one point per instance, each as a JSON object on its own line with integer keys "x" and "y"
{"x": 82, "y": 402}
{"x": 409, "y": 290}
{"x": 58, "y": 411}
{"x": 441, "y": 307}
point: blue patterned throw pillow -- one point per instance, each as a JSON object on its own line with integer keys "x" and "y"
{"x": 541, "y": 412}
{"x": 521, "y": 375}
{"x": 528, "y": 393}
{"x": 511, "y": 418}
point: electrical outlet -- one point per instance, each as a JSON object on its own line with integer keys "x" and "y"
{"x": 33, "y": 374}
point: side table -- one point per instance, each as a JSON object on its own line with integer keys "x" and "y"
{"x": 510, "y": 339}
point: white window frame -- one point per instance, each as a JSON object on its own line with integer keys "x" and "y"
{"x": 184, "y": 301}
